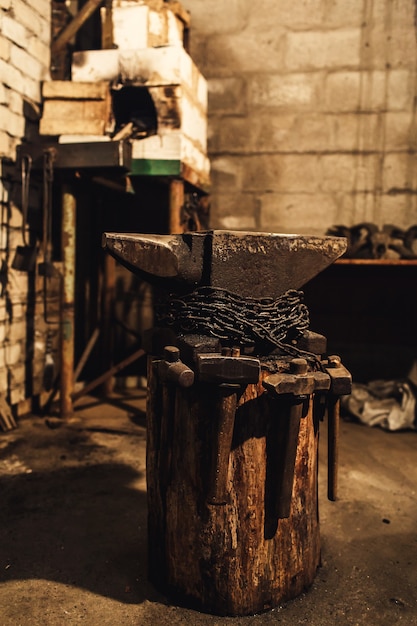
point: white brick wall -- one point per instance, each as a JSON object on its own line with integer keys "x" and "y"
{"x": 311, "y": 111}
{"x": 24, "y": 63}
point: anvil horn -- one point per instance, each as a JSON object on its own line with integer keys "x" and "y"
{"x": 251, "y": 264}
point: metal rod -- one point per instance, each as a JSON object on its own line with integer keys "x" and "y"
{"x": 109, "y": 286}
{"x": 87, "y": 351}
{"x": 176, "y": 202}
{"x": 333, "y": 411}
{"x": 111, "y": 372}
{"x": 74, "y": 26}
{"x": 69, "y": 209}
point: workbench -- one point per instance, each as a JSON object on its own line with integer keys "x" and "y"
{"x": 367, "y": 309}
{"x": 80, "y": 170}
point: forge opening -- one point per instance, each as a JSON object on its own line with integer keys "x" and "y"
{"x": 134, "y": 109}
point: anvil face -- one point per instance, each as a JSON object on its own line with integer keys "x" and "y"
{"x": 250, "y": 264}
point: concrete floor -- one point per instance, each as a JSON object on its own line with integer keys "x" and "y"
{"x": 73, "y": 528}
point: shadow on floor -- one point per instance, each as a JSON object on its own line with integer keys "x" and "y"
{"x": 81, "y": 526}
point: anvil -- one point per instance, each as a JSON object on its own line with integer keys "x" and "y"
{"x": 250, "y": 264}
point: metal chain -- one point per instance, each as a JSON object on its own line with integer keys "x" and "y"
{"x": 244, "y": 321}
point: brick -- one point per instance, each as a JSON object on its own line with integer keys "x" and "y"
{"x": 399, "y": 133}
{"x": 14, "y": 31}
{"x": 18, "y": 285}
{"x": 32, "y": 89}
{"x": 5, "y": 144}
{"x": 373, "y": 91}
{"x": 233, "y": 135}
{"x": 342, "y": 92}
{"x": 354, "y": 208}
{"x": 404, "y": 55}
{"x": 348, "y": 172}
{"x": 27, "y": 16}
{"x": 39, "y": 50}
{"x": 283, "y": 132}
{"x": 4, "y": 313}
{"x": 15, "y": 124}
{"x": 283, "y": 173}
{"x": 297, "y": 213}
{"x": 342, "y": 131}
{"x": 42, "y": 7}
{"x": 27, "y": 64}
{"x": 265, "y": 15}
{"x": 18, "y": 311}
{"x": 5, "y": 4}
{"x": 224, "y": 211}
{"x": 227, "y": 96}
{"x": 44, "y": 32}
{"x": 321, "y": 49}
{"x": 374, "y": 47}
{"x": 4, "y": 239}
{"x": 399, "y": 172}
{"x": 4, "y": 48}
{"x": 175, "y": 30}
{"x": 11, "y": 77}
{"x": 17, "y": 394}
{"x": 130, "y": 26}
{"x": 284, "y": 92}
{"x": 2, "y": 357}
{"x": 400, "y": 89}
{"x": 237, "y": 222}
{"x": 14, "y": 354}
{"x": 17, "y": 331}
{"x": 3, "y": 330}
{"x": 342, "y": 14}
{"x": 14, "y": 143}
{"x": 15, "y": 101}
{"x": 369, "y": 131}
{"x": 4, "y": 94}
{"x": 252, "y": 51}
{"x": 306, "y": 133}
{"x": 398, "y": 209}
{"x": 232, "y": 20}
{"x": 226, "y": 174}
{"x": 4, "y": 381}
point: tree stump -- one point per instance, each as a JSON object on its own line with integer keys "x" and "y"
{"x": 236, "y": 558}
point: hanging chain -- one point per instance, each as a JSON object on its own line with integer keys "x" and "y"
{"x": 244, "y": 321}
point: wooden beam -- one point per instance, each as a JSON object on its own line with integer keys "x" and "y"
{"x": 74, "y": 26}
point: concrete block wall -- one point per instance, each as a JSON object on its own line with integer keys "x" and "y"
{"x": 24, "y": 63}
{"x": 312, "y": 111}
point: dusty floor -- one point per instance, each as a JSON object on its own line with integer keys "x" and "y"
{"x": 73, "y": 528}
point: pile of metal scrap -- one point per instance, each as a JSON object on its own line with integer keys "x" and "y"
{"x": 368, "y": 241}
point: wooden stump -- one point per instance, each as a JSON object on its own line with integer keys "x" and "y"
{"x": 238, "y": 558}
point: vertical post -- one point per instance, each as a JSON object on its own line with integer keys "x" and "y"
{"x": 176, "y": 202}
{"x": 333, "y": 411}
{"x": 67, "y": 300}
{"x": 109, "y": 284}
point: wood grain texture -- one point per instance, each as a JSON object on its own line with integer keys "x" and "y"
{"x": 238, "y": 558}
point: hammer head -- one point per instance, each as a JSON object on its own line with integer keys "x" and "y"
{"x": 250, "y": 264}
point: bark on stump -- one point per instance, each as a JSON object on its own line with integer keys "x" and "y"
{"x": 238, "y": 558}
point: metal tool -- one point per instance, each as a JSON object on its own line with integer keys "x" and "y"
{"x": 173, "y": 374}
{"x": 340, "y": 385}
{"x": 293, "y": 390}
{"x": 257, "y": 265}
{"x": 222, "y": 283}
{"x": 25, "y": 256}
{"x": 229, "y": 372}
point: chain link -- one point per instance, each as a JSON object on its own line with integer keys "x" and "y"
{"x": 243, "y": 321}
